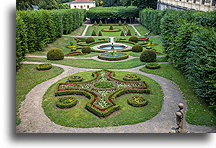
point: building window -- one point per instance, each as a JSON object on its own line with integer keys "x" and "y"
{"x": 74, "y": 6}
{"x": 81, "y": 6}
{"x": 87, "y": 6}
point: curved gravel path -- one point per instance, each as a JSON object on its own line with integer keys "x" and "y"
{"x": 34, "y": 120}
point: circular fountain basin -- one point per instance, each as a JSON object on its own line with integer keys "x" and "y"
{"x": 110, "y": 47}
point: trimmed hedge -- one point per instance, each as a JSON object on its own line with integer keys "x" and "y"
{"x": 90, "y": 40}
{"x": 75, "y": 79}
{"x": 137, "y": 101}
{"x": 117, "y": 13}
{"x": 133, "y": 39}
{"x": 43, "y": 66}
{"x": 36, "y": 29}
{"x": 113, "y": 58}
{"x": 102, "y": 114}
{"x": 152, "y": 66}
{"x": 137, "y": 48}
{"x": 55, "y": 54}
{"x": 189, "y": 40}
{"x": 21, "y": 40}
{"x": 66, "y": 102}
{"x": 148, "y": 56}
{"x": 131, "y": 77}
{"x": 86, "y": 49}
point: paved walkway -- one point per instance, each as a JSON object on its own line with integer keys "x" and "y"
{"x": 33, "y": 119}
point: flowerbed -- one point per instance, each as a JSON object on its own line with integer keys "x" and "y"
{"x": 152, "y": 66}
{"x": 74, "y": 54}
{"x": 137, "y": 101}
{"x": 44, "y": 66}
{"x": 113, "y": 30}
{"x": 66, "y": 102}
{"x": 102, "y": 91}
{"x": 113, "y": 56}
{"x": 131, "y": 77}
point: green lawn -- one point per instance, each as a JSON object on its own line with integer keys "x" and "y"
{"x": 28, "y": 77}
{"x": 79, "y": 31}
{"x": 141, "y": 29}
{"x": 88, "y": 63}
{"x": 198, "y": 113}
{"x": 78, "y": 116}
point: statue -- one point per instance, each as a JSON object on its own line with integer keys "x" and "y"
{"x": 112, "y": 46}
{"x": 179, "y": 118}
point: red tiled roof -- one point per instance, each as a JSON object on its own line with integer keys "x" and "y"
{"x": 82, "y": 1}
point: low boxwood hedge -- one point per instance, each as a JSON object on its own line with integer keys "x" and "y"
{"x": 75, "y": 79}
{"x": 152, "y": 66}
{"x": 113, "y": 58}
{"x": 137, "y": 101}
{"x": 66, "y": 102}
{"x": 102, "y": 114}
{"x": 131, "y": 77}
{"x": 43, "y": 66}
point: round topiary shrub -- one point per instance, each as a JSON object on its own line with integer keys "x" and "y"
{"x": 137, "y": 48}
{"x": 66, "y": 102}
{"x": 137, "y": 101}
{"x": 86, "y": 49}
{"x": 75, "y": 79}
{"x": 55, "y": 54}
{"x": 148, "y": 56}
{"x": 133, "y": 39}
{"x": 44, "y": 66}
{"x": 152, "y": 66}
{"x": 90, "y": 40}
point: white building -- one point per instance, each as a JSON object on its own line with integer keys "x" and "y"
{"x": 82, "y": 4}
{"x": 202, "y": 5}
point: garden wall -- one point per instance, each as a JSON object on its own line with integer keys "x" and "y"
{"x": 36, "y": 29}
{"x": 189, "y": 40}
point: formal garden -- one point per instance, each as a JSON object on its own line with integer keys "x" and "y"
{"x": 115, "y": 74}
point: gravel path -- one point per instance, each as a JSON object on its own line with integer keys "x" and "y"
{"x": 135, "y": 29}
{"x": 97, "y": 59}
{"x": 87, "y": 26}
{"x": 33, "y": 119}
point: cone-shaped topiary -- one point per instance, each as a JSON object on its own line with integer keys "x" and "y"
{"x": 94, "y": 33}
{"x": 55, "y": 54}
{"x": 95, "y": 23}
{"x": 100, "y": 34}
{"x": 137, "y": 48}
{"x": 133, "y": 39}
{"x": 90, "y": 40}
{"x": 120, "y": 23}
{"x": 148, "y": 56}
{"x": 129, "y": 33}
{"x": 86, "y": 49}
{"x": 125, "y": 23}
{"x": 122, "y": 34}
{"x": 111, "y": 28}
{"x": 100, "y": 23}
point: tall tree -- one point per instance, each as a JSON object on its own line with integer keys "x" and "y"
{"x": 145, "y": 3}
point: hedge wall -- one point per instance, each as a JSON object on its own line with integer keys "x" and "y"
{"x": 115, "y": 13}
{"x": 189, "y": 40}
{"x": 35, "y": 29}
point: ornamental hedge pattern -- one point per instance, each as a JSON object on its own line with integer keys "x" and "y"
{"x": 102, "y": 91}
{"x": 189, "y": 42}
{"x": 36, "y": 29}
